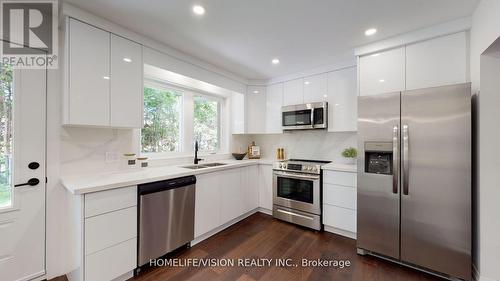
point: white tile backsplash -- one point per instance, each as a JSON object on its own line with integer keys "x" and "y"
{"x": 319, "y": 145}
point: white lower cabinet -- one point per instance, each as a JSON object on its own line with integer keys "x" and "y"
{"x": 111, "y": 262}
{"x": 266, "y": 187}
{"x": 223, "y": 196}
{"x": 339, "y": 202}
{"x": 104, "y": 234}
{"x": 231, "y": 203}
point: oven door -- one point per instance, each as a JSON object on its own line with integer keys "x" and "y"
{"x": 297, "y": 191}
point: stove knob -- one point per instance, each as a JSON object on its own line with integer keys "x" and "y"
{"x": 314, "y": 169}
{"x": 309, "y": 168}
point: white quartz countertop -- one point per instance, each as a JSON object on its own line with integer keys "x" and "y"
{"x": 340, "y": 167}
{"x": 81, "y": 184}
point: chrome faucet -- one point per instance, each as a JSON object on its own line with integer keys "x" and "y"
{"x": 196, "y": 159}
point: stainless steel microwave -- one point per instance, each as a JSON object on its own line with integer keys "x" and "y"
{"x": 305, "y": 116}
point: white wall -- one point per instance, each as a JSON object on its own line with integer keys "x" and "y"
{"x": 485, "y": 71}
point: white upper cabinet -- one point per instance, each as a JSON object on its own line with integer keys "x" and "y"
{"x": 256, "y": 109}
{"x": 342, "y": 100}
{"x": 238, "y": 113}
{"x": 437, "y": 62}
{"x": 89, "y": 75}
{"x": 103, "y": 78}
{"x": 126, "y": 83}
{"x": 315, "y": 88}
{"x": 382, "y": 72}
{"x": 293, "y": 92}
{"x": 274, "y": 101}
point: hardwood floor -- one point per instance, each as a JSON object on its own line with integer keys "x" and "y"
{"x": 261, "y": 236}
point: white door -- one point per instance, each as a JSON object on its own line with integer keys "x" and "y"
{"x": 22, "y": 160}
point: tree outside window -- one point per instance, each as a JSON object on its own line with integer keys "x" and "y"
{"x": 162, "y": 120}
{"x": 206, "y": 123}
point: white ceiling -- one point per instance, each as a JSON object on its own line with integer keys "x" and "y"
{"x": 242, "y": 36}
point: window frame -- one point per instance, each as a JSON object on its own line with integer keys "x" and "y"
{"x": 186, "y": 134}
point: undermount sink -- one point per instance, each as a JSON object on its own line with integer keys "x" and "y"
{"x": 213, "y": 164}
{"x": 202, "y": 166}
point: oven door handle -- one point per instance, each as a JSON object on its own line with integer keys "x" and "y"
{"x": 295, "y": 176}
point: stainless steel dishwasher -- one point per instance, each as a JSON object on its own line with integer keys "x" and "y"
{"x": 166, "y": 217}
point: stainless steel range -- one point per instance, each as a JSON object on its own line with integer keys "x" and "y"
{"x": 297, "y": 192}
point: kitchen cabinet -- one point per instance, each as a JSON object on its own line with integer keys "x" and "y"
{"x": 293, "y": 92}
{"x": 340, "y": 202}
{"x": 231, "y": 196}
{"x": 103, "y": 78}
{"x": 382, "y": 72}
{"x": 89, "y": 75}
{"x": 207, "y": 203}
{"x": 274, "y": 102}
{"x": 103, "y": 234}
{"x": 266, "y": 187}
{"x": 256, "y": 110}
{"x": 316, "y": 88}
{"x": 238, "y": 113}
{"x": 437, "y": 62}
{"x": 250, "y": 188}
{"x": 342, "y": 100}
{"x": 126, "y": 83}
{"x": 223, "y": 196}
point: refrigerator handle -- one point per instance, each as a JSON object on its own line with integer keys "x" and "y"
{"x": 406, "y": 168}
{"x": 395, "y": 160}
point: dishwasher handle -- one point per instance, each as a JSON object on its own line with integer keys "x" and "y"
{"x": 159, "y": 186}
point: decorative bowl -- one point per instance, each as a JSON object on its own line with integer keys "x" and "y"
{"x": 239, "y": 156}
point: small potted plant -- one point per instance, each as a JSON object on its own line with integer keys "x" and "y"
{"x": 350, "y": 154}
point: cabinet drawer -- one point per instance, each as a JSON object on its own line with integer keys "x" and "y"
{"x": 339, "y": 217}
{"x": 340, "y": 196}
{"x": 340, "y": 178}
{"x": 112, "y": 262}
{"x": 110, "y": 200}
{"x": 110, "y": 229}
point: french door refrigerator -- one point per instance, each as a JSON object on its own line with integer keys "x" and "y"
{"x": 414, "y": 178}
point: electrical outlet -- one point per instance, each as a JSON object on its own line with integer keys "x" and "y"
{"x": 111, "y": 157}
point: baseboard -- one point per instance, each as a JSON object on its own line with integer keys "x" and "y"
{"x": 222, "y": 227}
{"x": 265, "y": 211}
{"x": 341, "y": 232}
{"x": 125, "y": 276}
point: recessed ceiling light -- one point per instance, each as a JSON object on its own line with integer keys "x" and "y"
{"x": 325, "y": 96}
{"x": 105, "y": 77}
{"x": 370, "y": 32}
{"x": 199, "y": 10}
{"x": 255, "y": 92}
{"x": 127, "y": 59}
{"x": 381, "y": 80}
{"x": 307, "y": 82}
{"x": 376, "y": 55}
{"x": 275, "y": 61}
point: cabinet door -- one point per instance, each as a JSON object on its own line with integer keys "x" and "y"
{"x": 342, "y": 100}
{"x": 231, "y": 197}
{"x": 89, "y": 75}
{"x": 256, "y": 110}
{"x": 274, "y": 101}
{"x": 382, "y": 72}
{"x": 207, "y": 203}
{"x": 126, "y": 83}
{"x": 293, "y": 92}
{"x": 266, "y": 187}
{"x": 437, "y": 62}
{"x": 250, "y": 187}
{"x": 315, "y": 88}
{"x": 238, "y": 113}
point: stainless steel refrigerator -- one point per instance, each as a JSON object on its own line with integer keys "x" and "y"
{"x": 414, "y": 178}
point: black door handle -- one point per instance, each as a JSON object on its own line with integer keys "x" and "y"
{"x": 33, "y": 165}
{"x": 31, "y": 182}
